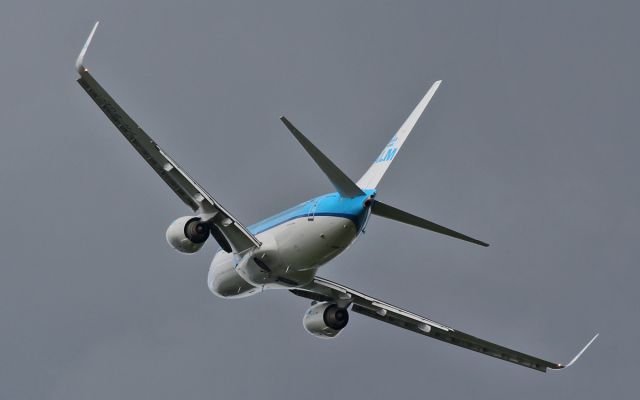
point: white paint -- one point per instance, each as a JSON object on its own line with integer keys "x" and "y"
{"x": 293, "y": 252}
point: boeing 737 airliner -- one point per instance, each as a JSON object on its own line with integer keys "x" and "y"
{"x": 286, "y": 250}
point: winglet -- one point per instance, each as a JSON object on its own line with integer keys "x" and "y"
{"x": 561, "y": 366}
{"x": 80, "y": 59}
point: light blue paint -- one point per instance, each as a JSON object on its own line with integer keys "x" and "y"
{"x": 387, "y": 154}
{"x": 389, "y": 151}
{"x": 329, "y": 204}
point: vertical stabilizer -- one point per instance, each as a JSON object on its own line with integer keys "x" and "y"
{"x": 377, "y": 170}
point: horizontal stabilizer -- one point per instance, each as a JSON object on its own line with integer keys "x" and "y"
{"x": 386, "y": 211}
{"x": 345, "y": 186}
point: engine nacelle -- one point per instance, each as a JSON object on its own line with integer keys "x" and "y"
{"x": 187, "y": 234}
{"x": 325, "y": 320}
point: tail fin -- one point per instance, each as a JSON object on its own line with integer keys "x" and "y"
{"x": 377, "y": 170}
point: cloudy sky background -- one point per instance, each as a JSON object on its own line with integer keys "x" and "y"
{"x": 531, "y": 144}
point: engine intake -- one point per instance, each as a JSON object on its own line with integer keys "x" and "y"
{"x": 196, "y": 230}
{"x": 325, "y": 320}
{"x": 187, "y": 234}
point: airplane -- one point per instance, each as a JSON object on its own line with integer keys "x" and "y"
{"x": 286, "y": 250}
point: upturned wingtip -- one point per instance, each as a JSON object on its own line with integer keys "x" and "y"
{"x": 574, "y": 359}
{"x": 80, "y": 60}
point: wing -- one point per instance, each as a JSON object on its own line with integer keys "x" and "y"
{"x": 187, "y": 189}
{"x": 325, "y": 290}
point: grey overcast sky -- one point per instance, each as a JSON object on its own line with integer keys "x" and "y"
{"x": 531, "y": 144}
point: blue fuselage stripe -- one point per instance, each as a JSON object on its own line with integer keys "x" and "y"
{"x": 331, "y": 204}
{"x": 350, "y": 217}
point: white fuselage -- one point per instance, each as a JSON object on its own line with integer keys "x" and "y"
{"x": 289, "y": 256}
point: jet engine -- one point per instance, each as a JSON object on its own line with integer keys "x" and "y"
{"x": 325, "y": 320}
{"x": 188, "y": 234}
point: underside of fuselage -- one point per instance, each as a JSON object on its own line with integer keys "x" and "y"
{"x": 295, "y": 243}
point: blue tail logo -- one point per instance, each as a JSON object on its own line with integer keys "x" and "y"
{"x": 389, "y": 152}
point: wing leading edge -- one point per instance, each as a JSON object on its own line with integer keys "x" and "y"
{"x": 371, "y": 307}
{"x": 187, "y": 189}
